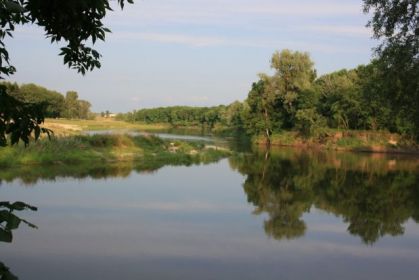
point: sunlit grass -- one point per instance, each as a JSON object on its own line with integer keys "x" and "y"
{"x": 104, "y": 149}
{"x": 71, "y": 127}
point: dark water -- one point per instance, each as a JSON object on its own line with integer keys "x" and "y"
{"x": 286, "y": 214}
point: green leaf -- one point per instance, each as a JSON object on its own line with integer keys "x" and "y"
{"x": 14, "y": 7}
{"x": 5, "y": 236}
{"x": 13, "y": 222}
{"x": 19, "y": 205}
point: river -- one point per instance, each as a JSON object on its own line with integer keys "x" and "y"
{"x": 281, "y": 214}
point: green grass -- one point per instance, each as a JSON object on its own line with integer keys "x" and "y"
{"x": 100, "y": 149}
{"x": 71, "y": 127}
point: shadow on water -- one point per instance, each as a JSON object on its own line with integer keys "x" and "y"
{"x": 9, "y": 222}
{"x": 374, "y": 194}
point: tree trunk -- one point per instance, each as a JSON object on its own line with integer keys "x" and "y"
{"x": 267, "y": 130}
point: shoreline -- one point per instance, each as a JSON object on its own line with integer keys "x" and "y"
{"x": 107, "y": 149}
{"x": 360, "y": 150}
{"x": 354, "y": 144}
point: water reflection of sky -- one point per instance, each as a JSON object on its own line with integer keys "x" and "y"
{"x": 163, "y": 135}
{"x": 185, "y": 223}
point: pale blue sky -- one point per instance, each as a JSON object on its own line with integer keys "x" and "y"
{"x": 197, "y": 52}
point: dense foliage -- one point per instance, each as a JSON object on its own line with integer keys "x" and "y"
{"x": 77, "y": 23}
{"x": 23, "y": 109}
{"x": 346, "y": 99}
{"x": 56, "y": 105}
{"x": 396, "y": 24}
{"x": 293, "y": 98}
{"x": 205, "y": 117}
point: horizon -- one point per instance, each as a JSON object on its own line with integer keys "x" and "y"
{"x": 154, "y": 55}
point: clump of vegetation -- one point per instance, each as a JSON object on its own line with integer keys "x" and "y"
{"x": 56, "y": 105}
{"x": 104, "y": 149}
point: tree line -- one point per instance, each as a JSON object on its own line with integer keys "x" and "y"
{"x": 294, "y": 98}
{"x": 53, "y": 104}
{"x": 383, "y": 95}
{"x": 205, "y": 117}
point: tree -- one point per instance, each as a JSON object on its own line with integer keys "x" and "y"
{"x": 77, "y": 23}
{"x": 397, "y": 24}
{"x": 276, "y": 99}
{"x": 257, "y": 114}
{"x": 294, "y": 74}
{"x": 84, "y": 109}
{"x": 341, "y": 99}
{"x": 71, "y": 105}
{"x": 31, "y": 93}
{"x": 19, "y": 119}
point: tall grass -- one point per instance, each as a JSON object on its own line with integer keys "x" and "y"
{"x": 102, "y": 149}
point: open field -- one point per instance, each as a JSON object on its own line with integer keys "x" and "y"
{"x": 72, "y": 127}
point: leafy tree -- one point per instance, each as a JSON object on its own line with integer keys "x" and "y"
{"x": 275, "y": 100}
{"x": 71, "y": 105}
{"x": 76, "y": 23}
{"x": 233, "y": 115}
{"x": 309, "y": 122}
{"x": 19, "y": 119}
{"x": 84, "y": 109}
{"x": 294, "y": 74}
{"x": 396, "y": 23}
{"x": 259, "y": 107}
{"x": 379, "y": 112}
{"x": 31, "y": 93}
{"x": 341, "y": 99}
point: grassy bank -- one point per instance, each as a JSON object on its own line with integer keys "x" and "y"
{"x": 67, "y": 127}
{"x": 99, "y": 149}
{"x": 357, "y": 141}
{"x": 73, "y": 127}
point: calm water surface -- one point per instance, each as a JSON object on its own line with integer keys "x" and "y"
{"x": 286, "y": 214}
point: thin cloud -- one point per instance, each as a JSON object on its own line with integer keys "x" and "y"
{"x": 184, "y": 39}
{"x": 211, "y": 12}
{"x": 216, "y": 41}
{"x": 359, "y": 31}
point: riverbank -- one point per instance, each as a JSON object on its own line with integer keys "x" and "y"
{"x": 353, "y": 141}
{"x": 99, "y": 149}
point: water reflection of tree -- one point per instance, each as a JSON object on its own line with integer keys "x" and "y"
{"x": 30, "y": 175}
{"x": 374, "y": 199}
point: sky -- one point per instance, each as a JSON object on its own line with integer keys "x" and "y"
{"x": 196, "y": 52}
